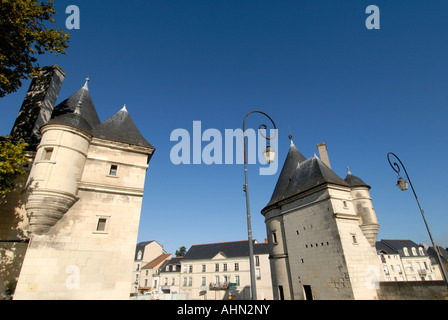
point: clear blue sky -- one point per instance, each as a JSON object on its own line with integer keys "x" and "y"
{"x": 311, "y": 65}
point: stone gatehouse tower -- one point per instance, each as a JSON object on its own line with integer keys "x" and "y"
{"x": 321, "y": 232}
{"x": 72, "y": 225}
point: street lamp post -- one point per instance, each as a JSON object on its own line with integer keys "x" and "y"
{"x": 402, "y": 184}
{"x": 269, "y": 155}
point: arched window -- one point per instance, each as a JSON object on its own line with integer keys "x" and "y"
{"x": 406, "y": 251}
{"x": 414, "y": 251}
{"x": 420, "y": 250}
{"x": 139, "y": 255}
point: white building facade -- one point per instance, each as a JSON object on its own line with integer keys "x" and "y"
{"x": 404, "y": 260}
{"x": 221, "y": 271}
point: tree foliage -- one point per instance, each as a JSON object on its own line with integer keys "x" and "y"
{"x": 12, "y": 160}
{"x": 23, "y": 34}
{"x": 181, "y": 252}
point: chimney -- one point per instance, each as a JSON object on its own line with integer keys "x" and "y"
{"x": 322, "y": 147}
{"x": 38, "y": 105}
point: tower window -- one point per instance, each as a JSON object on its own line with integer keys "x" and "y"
{"x": 48, "y": 152}
{"x": 274, "y": 238}
{"x": 101, "y": 226}
{"x": 113, "y": 170}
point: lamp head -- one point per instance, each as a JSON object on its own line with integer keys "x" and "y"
{"x": 269, "y": 154}
{"x": 402, "y": 184}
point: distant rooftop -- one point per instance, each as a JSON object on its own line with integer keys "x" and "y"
{"x": 229, "y": 249}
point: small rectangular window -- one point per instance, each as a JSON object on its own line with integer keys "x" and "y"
{"x": 101, "y": 226}
{"x": 48, "y": 152}
{"x": 274, "y": 238}
{"x": 113, "y": 170}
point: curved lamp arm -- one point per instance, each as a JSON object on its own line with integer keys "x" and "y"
{"x": 401, "y": 185}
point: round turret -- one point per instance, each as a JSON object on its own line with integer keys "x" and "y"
{"x": 57, "y": 169}
{"x": 363, "y": 207}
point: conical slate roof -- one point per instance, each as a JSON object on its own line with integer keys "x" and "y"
{"x": 73, "y": 120}
{"x": 120, "y": 127}
{"x": 293, "y": 159}
{"x": 80, "y": 101}
{"x": 354, "y": 181}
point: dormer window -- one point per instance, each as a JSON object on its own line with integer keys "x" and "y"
{"x": 420, "y": 250}
{"x": 406, "y": 251}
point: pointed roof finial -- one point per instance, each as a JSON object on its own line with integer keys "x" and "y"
{"x": 124, "y": 108}
{"x": 86, "y": 84}
{"x": 290, "y": 136}
{"x": 348, "y": 170}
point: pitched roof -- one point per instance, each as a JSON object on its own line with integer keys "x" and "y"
{"x": 81, "y": 102}
{"x": 120, "y": 127}
{"x": 141, "y": 247}
{"x": 229, "y": 249}
{"x": 396, "y": 246}
{"x": 157, "y": 261}
{"x": 443, "y": 253}
{"x": 173, "y": 265}
{"x": 308, "y": 174}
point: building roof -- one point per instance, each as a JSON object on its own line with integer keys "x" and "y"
{"x": 81, "y": 102}
{"x": 157, "y": 261}
{"x": 79, "y": 111}
{"x": 141, "y": 247}
{"x": 396, "y": 246}
{"x": 172, "y": 263}
{"x": 120, "y": 127}
{"x": 73, "y": 120}
{"x": 292, "y": 161}
{"x": 355, "y": 181}
{"x": 443, "y": 253}
{"x": 229, "y": 249}
{"x": 298, "y": 176}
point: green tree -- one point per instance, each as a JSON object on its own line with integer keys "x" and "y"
{"x": 12, "y": 159}
{"x": 23, "y": 34}
{"x": 181, "y": 252}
